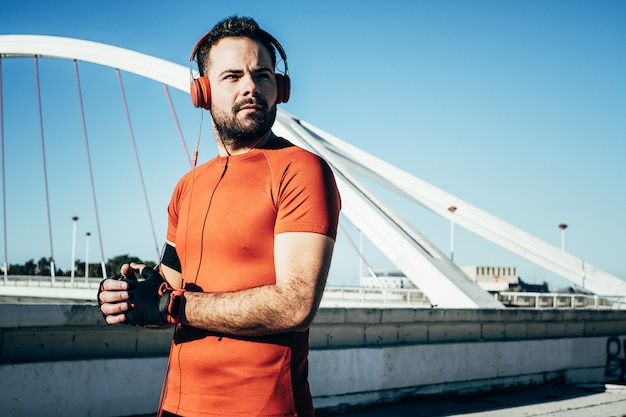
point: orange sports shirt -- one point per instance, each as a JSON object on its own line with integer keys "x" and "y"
{"x": 223, "y": 217}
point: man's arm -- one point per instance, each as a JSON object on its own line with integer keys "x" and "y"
{"x": 302, "y": 261}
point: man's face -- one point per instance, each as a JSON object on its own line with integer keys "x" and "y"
{"x": 243, "y": 90}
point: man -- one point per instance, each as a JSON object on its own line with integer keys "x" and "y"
{"x": 249, "y": 244}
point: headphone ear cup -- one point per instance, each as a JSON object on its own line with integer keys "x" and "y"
{"x": 200, "y": 91}
{"x": 283, "y": 88}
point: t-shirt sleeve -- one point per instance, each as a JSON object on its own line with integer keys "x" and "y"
{"x": 172, "y": 212}
{"x": 308, "y": 199}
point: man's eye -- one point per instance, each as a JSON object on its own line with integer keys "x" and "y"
{"x": 231, "y": 77}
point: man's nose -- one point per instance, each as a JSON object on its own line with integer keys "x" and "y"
{"x": 249, "y": 85}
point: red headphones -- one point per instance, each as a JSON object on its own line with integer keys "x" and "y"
{"x": 200, "y": 88}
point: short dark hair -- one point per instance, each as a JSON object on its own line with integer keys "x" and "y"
{"x": 233, "y": 26}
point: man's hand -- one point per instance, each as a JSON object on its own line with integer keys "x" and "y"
{"x": 112, "y": 297}
{"x": 150, "y": 302}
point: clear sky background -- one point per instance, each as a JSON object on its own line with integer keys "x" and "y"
{"x": 517, "y": 107}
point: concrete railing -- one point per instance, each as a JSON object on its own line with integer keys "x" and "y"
{"x": 48, "y": 281}
{"x": 354, "y": 297}
{"x": 63, "y": 360}
{"x": 561, "y": 300}
{"x": 378, "y": 297}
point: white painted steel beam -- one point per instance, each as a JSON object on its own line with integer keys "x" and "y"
{"x": 445, "y": 285}
{"x": 474, "y": 219}
{"x": 174, "y": 75}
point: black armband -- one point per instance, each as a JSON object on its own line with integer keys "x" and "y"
{"x": 170, "y": 258}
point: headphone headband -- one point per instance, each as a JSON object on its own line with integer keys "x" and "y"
{"x": 272, "y": 40}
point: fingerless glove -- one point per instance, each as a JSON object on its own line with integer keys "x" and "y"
{"x": 152, "y": 301}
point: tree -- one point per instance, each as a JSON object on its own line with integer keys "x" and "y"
{"x": 42, "y": 267}
{"x": 28, "y": 268}
{"x": 114, "y": 264}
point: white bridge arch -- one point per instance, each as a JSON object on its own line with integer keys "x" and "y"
{"x": 423, "y": 263}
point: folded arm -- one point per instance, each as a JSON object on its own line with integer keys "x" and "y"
{"x": 302, "y": 261}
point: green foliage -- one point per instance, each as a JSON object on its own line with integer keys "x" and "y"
{"x": 42, "y": 267}
{"x": 114, "y": 264}
{"x": 29, "y": 268}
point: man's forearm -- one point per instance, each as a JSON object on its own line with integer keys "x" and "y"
{"x": 253, "y": 312}
{"x": 302, "y": 261}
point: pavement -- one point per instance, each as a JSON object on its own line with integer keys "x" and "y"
{"x": 566, "y": 400}
{"x": 563, "y": 400}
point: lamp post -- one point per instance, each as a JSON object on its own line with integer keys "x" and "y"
{"x": 562, "y": 226}
{"x": 74, "y": 220}
{"x": 452, "y": 209}
{"x": 87, "y": 256}
{"x": 52, "y": 269}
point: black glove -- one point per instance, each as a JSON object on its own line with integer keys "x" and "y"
{"x": 152, "y": 301}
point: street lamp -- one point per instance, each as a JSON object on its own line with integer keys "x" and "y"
{"x": 87, "y": 257}
{"x": 563, "y": 226}
{"x": 74, "y": 220}
{"x": 52, "y": 269}
{"x": 452, "y": 209}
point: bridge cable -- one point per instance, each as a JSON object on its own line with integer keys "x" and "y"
{"x": 45, "y": 168}
{"x": 4, "y": 199}
{"x": 93, "y": 188}
{"x": 358, "y": 251}
{"x": 143, "y": 184}
{"x": 180, "y": 132}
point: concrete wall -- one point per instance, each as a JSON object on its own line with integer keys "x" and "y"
{"x": 63, "y": 360}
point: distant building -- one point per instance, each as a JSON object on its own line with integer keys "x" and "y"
{"x": 393, "y": 278}
{"x": 489, "y": 278}
{"x": 493, "y": 278}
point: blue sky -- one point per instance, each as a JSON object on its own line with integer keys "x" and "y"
{"x": 516, "y": 107}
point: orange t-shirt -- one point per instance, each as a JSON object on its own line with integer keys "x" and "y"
{"x": 223, "y": 217}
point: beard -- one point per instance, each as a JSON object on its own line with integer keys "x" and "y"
{"x": 246, "y": 131}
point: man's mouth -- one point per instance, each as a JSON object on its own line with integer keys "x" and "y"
{"x": 251, "y": 105}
